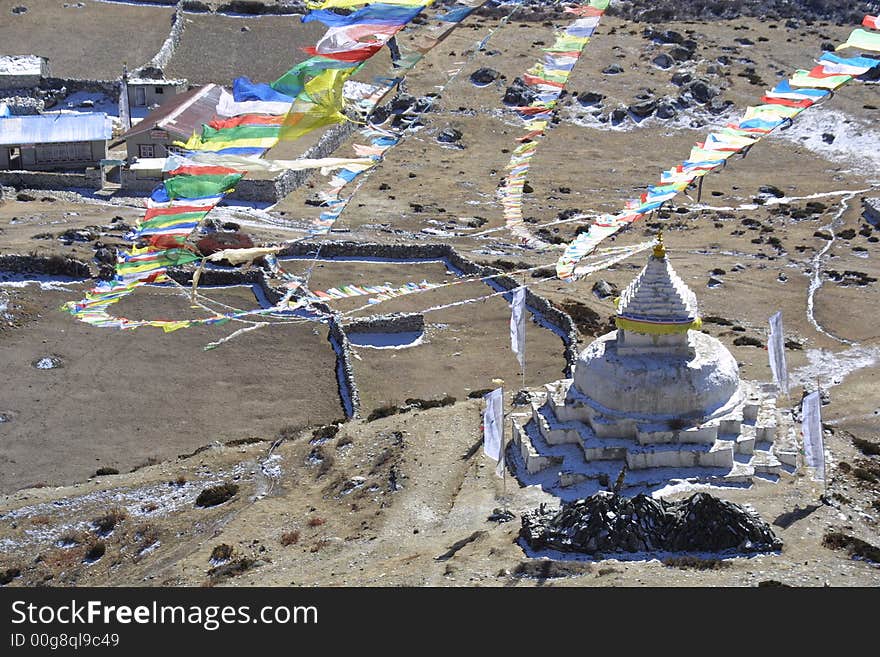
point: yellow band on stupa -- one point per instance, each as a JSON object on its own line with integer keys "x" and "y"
{"x": 651, "y": 328}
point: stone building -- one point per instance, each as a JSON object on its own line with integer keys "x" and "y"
{"x": 22, "y": 71}
{"x": 54, "y": 142}
{"x": 656, "y": 395}
{"x": 176, "y": 120}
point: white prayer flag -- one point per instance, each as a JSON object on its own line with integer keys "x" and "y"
{"x": 776, "y": 350}
{"x": 518, "y": 325}
{"x": 493, "y": 426}
{"x": 811, "y": 426}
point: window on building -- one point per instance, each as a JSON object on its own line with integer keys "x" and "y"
{"x": 175, "y": 150}
{"x": 160, "y": 90}
{"x": 146, "y": 150}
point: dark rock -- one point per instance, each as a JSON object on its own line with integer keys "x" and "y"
{"x": 828, "y": 137}
{"x": 606, "y": 523}
{"x": 449, "y": 135}
{"x": 501, "y": 515}
{"x": 663, "y": 61}
{"x": 823, "y": 234}
{"x": 614, "y": 69}
{"x": 665, "y": 110}
{"x": 681, "y": 78}
{"x": 618, "y": 115}
{"x": 744, "y": 41}
{"x": 771, "y": 190}
{"x": 518, "y": 94}
{"x": 484, "y": 75}
{"x": 588, "y": 98}
{"x": 747, "y": 341}
{"x": 77, "y": 235}
{"x": 21, "y": 196}
{"x": 702, "y": 91}
{"x": 220, "y": 241}
{"x": 718, "y": 106}
{"x": 681, "y": 54}
{"x": 19, "y": 9}
{"x": 847, "y": 234}
{"x": 603, "y": 289}
{"x": 714, "y": 282}
{"x": 106, "y": 256}
{"x": 643, "y": 109}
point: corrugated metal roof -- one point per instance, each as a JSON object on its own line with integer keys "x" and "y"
{"x": 183, "y": 115}
{"x": 55, "y": 128}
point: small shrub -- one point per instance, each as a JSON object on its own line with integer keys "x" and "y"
{"x": 102, "y": 472}
{"x": 327, "y": 464}
{"x": 290, "y": 538}
{"x": 867, "y": 447}
{"x": 856, "y": 547}
{"x": 152, "y": 460}
{"x": 319, "y": 545}
{"x": 383, "y": 411}
{"x": 479, "y": 394}
{"x": 145, "y": 535}
{"x": 288, "y": 432}
{"x": 40, "y": 520}
{"x": 8, "y": 575}
{"x": 844, "y": 467}
{"x": 695, "y": 563}
{"x": 221, "y": 552}
{"x": 747, "y": 341}
{"x": 95, "y": 552}
{"x": 231, "y": 569}
{"x": 180, "y": 481}
{"x": 865, "y": 475}
{"x": 149, "y": 507}
{"x": 325, "y": 432}
{"x": 342, "y": 442}
{"x": 105, "y": 524}
{"x": 315, "y": 521}
{"x": 214, "y": 495}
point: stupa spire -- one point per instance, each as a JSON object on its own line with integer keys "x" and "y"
{"x": 657, "y": 301}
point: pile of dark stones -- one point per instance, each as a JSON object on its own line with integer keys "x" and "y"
{"x": 606, "y": 523}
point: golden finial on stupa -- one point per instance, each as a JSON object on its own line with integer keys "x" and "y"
{"x": 659, "y": 247}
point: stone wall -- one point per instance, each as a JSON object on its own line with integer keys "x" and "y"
{"x": 49, "y": 265}
{"x": 91, "y": 179}
{"x": 178, "y": 23}
{"x": 109, "y": 88}
{"x": 348, "y": 392}
{"x": 396, "y": 323}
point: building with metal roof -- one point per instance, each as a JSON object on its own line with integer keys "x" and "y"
{"x": 176, "y": 120}
{"x": 52, "y": 142}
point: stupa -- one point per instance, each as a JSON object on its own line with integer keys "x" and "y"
{"x": 658, "y": 395}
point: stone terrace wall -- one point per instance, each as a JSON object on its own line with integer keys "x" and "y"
{"x": 555, "y": 318}
{"x": 166, "y": 52}
{"x": 49, "y": 265}
{"x": 396, "y": 323}
{"x": 50, "y": 180}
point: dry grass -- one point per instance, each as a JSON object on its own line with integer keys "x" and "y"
{"x": 107, "y": 523}
{"x": 290, "y": 538}
{"x": 695, "y": 563}
{"x": 315, "y": 521}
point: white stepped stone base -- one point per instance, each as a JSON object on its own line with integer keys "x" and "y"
{"x": 570, "y": 454}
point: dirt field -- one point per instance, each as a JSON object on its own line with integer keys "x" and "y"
{"x": 219, "y": 48}
{"x": 89, "y": 42}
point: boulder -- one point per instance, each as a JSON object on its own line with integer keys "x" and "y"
{"x": 588, "y": 98}
{"x": 663, "y": 61}
{"x": 518, "y": 94}
{"x": 614, "y": 69}
{"x": 484, "y": 75}
{"x": 701, "y": 91}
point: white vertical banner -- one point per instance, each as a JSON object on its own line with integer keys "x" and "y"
{"x": 493, "y": 428}
{"x": 811, "y": 426}
{"x": 776, "y": 351}
{"x": 518, "y": 325}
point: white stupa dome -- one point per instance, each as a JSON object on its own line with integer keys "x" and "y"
{"x": 654, "y": 364}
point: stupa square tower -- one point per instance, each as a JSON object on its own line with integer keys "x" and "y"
{"x": 657, "y": 395}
